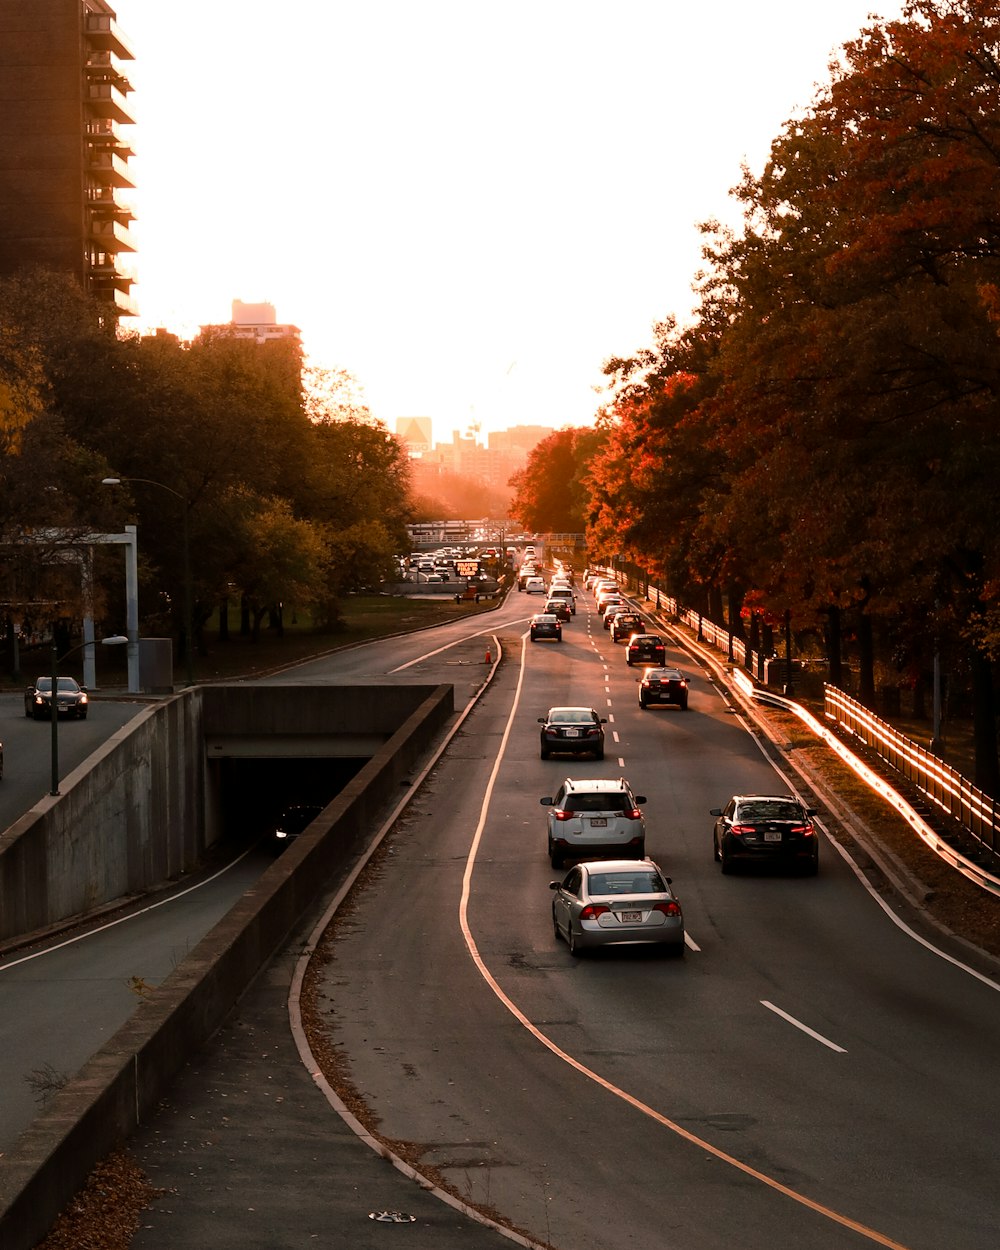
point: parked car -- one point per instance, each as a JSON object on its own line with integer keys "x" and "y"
{"x": 765, "y": 828}
{"x": 71, "y": 699}
{"x": 663, "y": 685}
{"x": 559, "y": 608}
{"x": 545, "y": 625}
{"x": 595, "y": 817}
{"x": 624, "y": 625}
{"x": 645, "y": 649}
{"x": 293, "y": 820}
{"x": 614, "y": 902}
{"x": 572, "y": 731}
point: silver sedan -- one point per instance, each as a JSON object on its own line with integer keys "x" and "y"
{"x": 609, "y": 902}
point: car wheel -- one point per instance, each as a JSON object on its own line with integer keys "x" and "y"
{"x": 555, "y": 926}
{"x": 728, "y": 867}
{"x": 715, "y": 849}
{"x": 555, "y": 858}
{"x": 575, "y": 948}
{"x": 643, "y": 704}
{"x": 82, "y": 715}
{"x": 28, "y": 712}
{"x": 599, "y": 753}
{"x": 544, "y": 753}
{"x": 684, "y": 705}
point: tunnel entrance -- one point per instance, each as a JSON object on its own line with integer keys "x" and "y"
{"x": 253, "y": 792}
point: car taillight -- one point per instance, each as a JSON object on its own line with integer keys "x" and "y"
{"x": 673, "y": 908}
{"x": 561, "y": 815}
{"x": 807, "y": 831}
{"x": 593, "y": 910}
{"x": 633, "y": 814}
{"x": 591, "y": 732}
{"x": 738, "y": 829}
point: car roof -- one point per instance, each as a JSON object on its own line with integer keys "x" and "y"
{"x": 565, "y": 707}
{"x": 598, "y": 785}
{"x": 667, "y": 672}
{"x": 618, "y": 865}
{"x": 545, "y": 616}
{"x": 656, "y": 636}
{"x": 772, "y": 798}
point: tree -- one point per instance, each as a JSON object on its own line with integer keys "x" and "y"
{"x": 550, "y": 494}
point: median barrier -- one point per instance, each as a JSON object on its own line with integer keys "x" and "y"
{"x": 122, "y": 1084}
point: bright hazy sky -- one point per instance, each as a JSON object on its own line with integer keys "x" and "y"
{"x": 468, "y": 206}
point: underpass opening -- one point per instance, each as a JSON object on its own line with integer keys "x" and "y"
{"x": 253, "y": 792}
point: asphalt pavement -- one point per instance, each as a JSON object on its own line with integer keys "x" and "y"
{"x": 247, "y": 1151}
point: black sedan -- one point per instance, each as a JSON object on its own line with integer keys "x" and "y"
{"x": 645, "y": 649}
{"x": 545, "y": 625}
{"x": 71, "y": 699}
{"x": 765, "y": 828}
{"x": 572, "y": 731}
{"x": 560, "y": 609}
{"x": 663, "y": 685}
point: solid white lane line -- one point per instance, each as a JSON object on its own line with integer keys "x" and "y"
{"x": 804, "y": 1027}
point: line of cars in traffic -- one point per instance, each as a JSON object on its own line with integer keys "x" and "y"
{"x": 629, "y": 900}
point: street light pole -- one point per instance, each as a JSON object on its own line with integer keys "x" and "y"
{"x": 186, "y": 555}
{"x": 116, "y": 640}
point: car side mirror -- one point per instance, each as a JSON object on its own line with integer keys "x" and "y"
{"x": 541, "y": 720}
{"x": 639, "y": 799}
{"x": 546, "y": 802}
{"x": 811, "y": 811}
{"x": 554, "y": 885}
{"x": 669, "y": 880}
{"x": 604, "y": 720}
{"x": 715, "y": 811}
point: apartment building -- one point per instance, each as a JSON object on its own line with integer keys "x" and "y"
{"x": 64, "y": 157}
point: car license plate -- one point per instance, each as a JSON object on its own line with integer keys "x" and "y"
{"x": 572, "y": 733}
{"x": 771, "y": 836}
{"x": 631, "y": 917}
{"x": 598, "y": 822}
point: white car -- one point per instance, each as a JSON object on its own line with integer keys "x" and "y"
{"x": 535, "y": 586}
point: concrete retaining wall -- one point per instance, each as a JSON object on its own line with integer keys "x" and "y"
{"x": 123, "y": 1083}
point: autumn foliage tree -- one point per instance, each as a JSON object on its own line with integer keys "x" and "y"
{"x": 551, "y": 491}
{"x": 847, "y": 422}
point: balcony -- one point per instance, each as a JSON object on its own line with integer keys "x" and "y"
{"x": 103, "y": 204}
{"x": 103, "y": 99}
{"x": 104, "y": 133}
{"x": 107, "y": 169}
{"x": 111, "y": 236}
{"x": 103, "y": 67}
{"x": 101, "y": 32}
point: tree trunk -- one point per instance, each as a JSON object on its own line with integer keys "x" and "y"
{"x": 866, "y": 660}
{"x": 716, "y": 612}
{"x": 987, "y": 776}
{"x": 834, "y": 648}
{"x": 244, "y": 617}
{"x": 224, "y": 619}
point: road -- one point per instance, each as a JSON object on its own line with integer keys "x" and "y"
{"x": 808, "y": 1076}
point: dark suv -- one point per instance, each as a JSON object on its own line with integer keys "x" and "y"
{"x": 663, "y": 685}
{"x": 645, "y": 649}
{"x": 624, "y": 625}
{"x": 765, "y": 828}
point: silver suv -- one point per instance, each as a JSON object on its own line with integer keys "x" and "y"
{"x": 588, "y": 818}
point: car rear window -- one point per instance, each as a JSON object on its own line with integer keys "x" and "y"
{"x": 627, "y": 883}
{"x": 596, "y": 803}
{"x": 571, "y": 716}
{"x": 769, "y": 811}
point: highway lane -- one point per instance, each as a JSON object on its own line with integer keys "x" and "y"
{"x": 809, "y": 1077}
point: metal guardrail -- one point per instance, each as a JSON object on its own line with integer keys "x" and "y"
{"x": 942, "y": 784}
{"x": 979, "y": 876}
{"x": 939, "y": 781}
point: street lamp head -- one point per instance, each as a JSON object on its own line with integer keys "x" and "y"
{"x": 116, "y": 640}
{"x": 111, "y": 481}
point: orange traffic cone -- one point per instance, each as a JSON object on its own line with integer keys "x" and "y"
{"x": 489, "y": 658}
